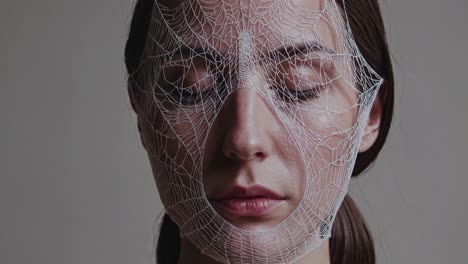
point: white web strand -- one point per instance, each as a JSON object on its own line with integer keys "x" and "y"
{"x": 197, "y": 54}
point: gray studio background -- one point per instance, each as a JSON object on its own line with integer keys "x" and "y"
{"x": 75, "y": 183}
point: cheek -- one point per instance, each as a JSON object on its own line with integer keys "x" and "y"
{"x": 331, "y": 133}
{"x": 177, "y": 135}
{"x": 329, "y": 149}
{"x": 173, "y": 147}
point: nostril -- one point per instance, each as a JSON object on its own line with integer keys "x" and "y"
{"x": 260, "y": 155}
{"x": 244, "y": 154}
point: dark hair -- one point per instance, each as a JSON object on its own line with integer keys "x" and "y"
{"x": 351, "y": 241}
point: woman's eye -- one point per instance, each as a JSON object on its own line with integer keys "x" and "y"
{"x": 194, "y": 87}
{"x": 188, "y": 84}
{"x": 300, "y": 93}
{"x": 299, "y": 80}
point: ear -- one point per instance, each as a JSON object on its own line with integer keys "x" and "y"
{"x": 133, "y": 100}
{"x": 131, "y": 95}
{"x": 133, "y": 103}
{"x": 371, "y": 130}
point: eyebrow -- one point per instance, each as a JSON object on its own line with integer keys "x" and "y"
{"x": 285, "y": 51}
{"x": 289, "y": 51}
{"x": 208, "y": 53}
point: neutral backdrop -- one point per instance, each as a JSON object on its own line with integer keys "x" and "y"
{"x": 75, "y": 183}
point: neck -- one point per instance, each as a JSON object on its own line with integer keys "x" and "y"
{"x": 191, "y": 254}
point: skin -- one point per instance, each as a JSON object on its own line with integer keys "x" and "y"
{"x": 254, "y": 147}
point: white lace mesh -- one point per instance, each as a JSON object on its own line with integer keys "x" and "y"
{"x": 298, "y": 60}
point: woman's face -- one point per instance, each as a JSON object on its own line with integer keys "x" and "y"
{"x": 251, "y": 116}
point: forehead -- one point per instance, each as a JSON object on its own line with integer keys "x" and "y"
{"x": 220, "y": 24}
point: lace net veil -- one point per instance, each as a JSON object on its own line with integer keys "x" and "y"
{"x": 300, "y": 59}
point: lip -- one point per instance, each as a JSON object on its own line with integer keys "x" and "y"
{"x": 247, "y": 201}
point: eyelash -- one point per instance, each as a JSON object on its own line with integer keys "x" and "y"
{"x": 298, "y": 95}
{"x": 187, "y": 97}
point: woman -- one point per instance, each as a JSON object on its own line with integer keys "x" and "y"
{"x": 254, "y": 115}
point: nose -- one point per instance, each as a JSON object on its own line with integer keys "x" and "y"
{"x": 248, "y": 121}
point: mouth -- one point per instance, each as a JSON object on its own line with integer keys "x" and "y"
{"x": 247, "y": 201}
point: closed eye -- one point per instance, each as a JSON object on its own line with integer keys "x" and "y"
{"x": 301, "y": 79}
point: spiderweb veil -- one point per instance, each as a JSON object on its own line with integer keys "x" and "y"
{"x": 300, "y": 60}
